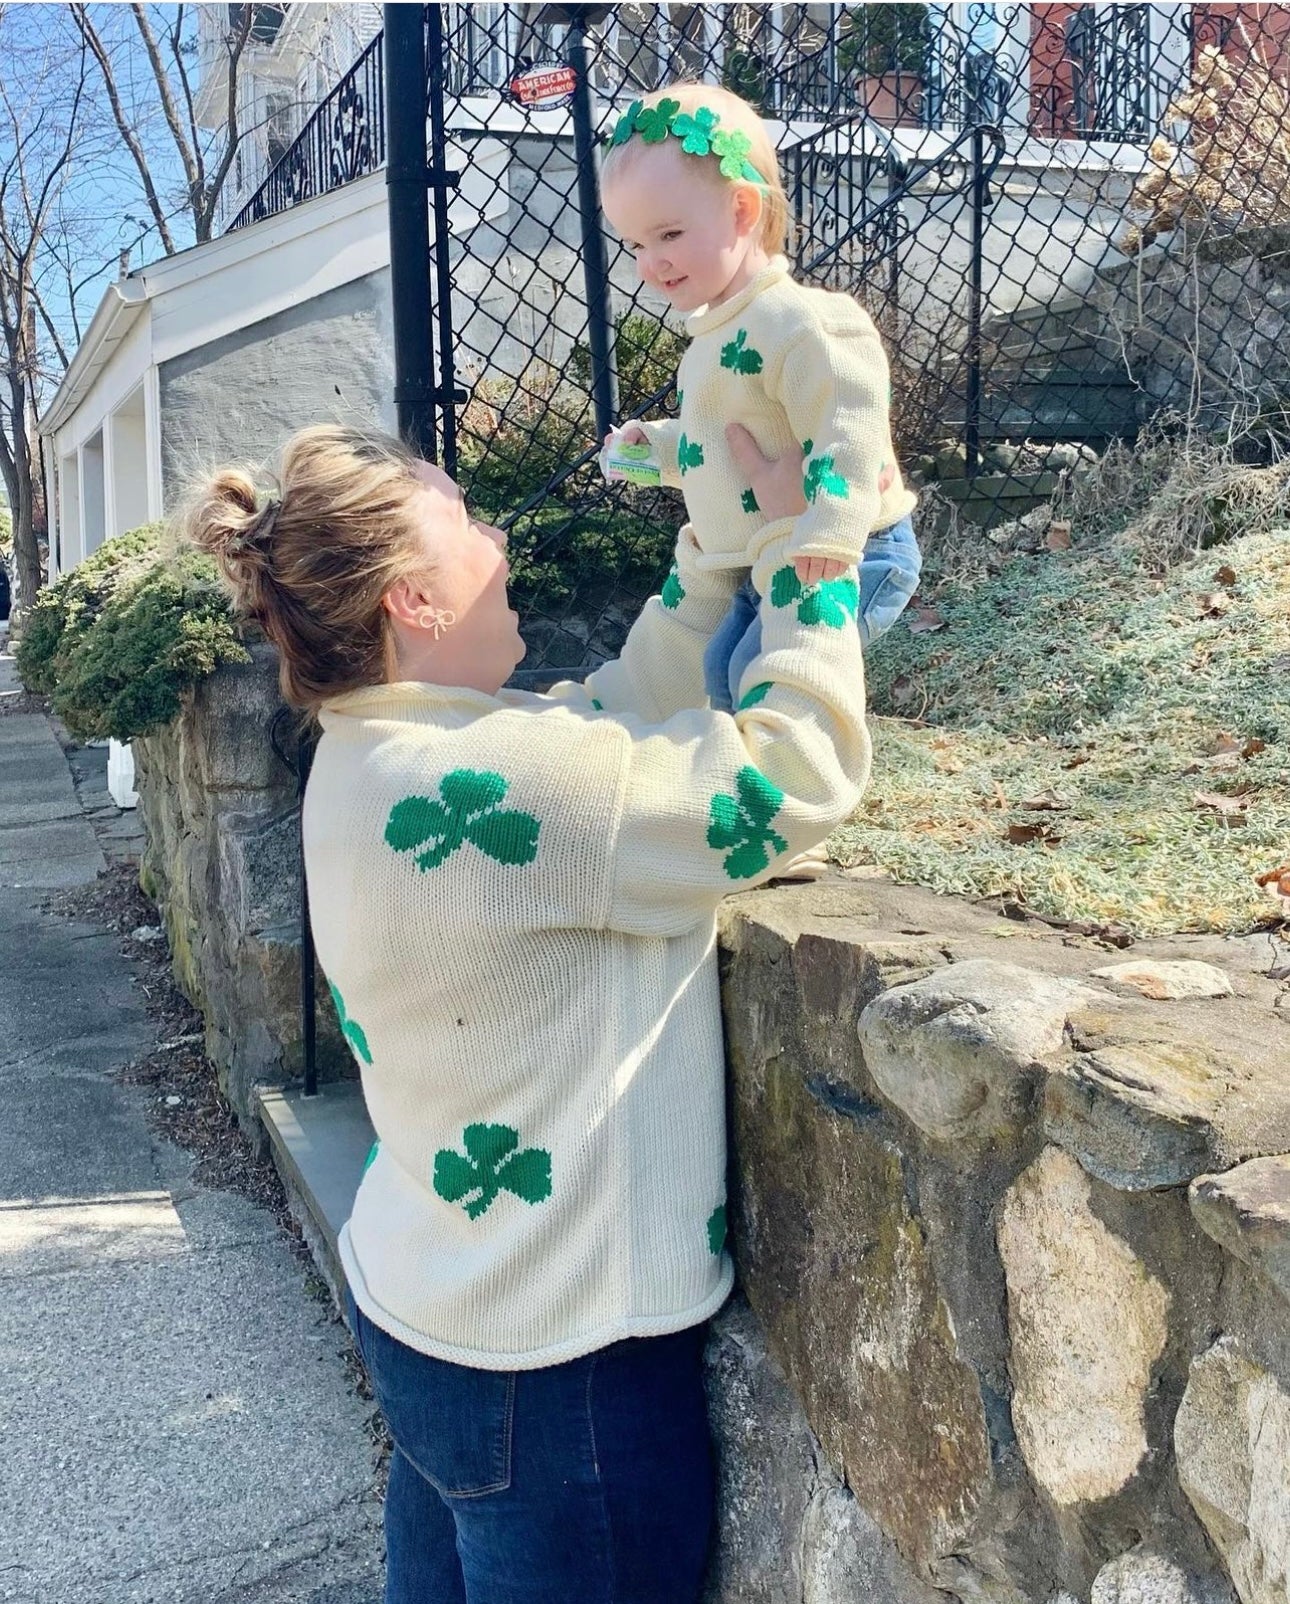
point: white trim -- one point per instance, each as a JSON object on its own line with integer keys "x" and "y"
{"x": 113, "y": 319}
{"x": 152, "y": 441}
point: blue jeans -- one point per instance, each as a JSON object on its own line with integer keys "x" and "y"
{"x": 888, "y": 576}
{"x": 589, "y": 1481}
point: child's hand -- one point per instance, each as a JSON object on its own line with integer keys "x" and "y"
{"x": 818, "y": 570}
{"x": 631, "y": 434}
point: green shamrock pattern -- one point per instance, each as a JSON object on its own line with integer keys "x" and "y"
{"x": 349, "y": 1029}
{"x": 689, "y": 454}
{"x": 695, "y": 130}
{"x": 740, "y": 825}
{"x": 371, "y": 1156}
{"x": 654, "y": 123}
{"x": 748, "y": 501}
{"x": 821, "y": 479}
{"x": 492, "y": 1164}
{"x": 717, "y": 1229}
{"x": 733, "y": 149}
{"x": 740, "y": 357}
{"x": 831, "y": 601}
{"x": 758, "y": 693}
{"x": 467, "y": 810}
{"x": 673, "y": 592}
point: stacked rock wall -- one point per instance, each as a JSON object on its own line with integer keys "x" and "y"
{"x": 1013, "y": 1213}
{"x": 222, "y": 862}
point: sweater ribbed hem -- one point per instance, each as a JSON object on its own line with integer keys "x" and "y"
{"x": 655, "y": 1325}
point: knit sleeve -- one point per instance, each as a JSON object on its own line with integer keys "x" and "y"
{"x": 660, "y": 668}
{"x": 664, "y": 436}
{"x": 713, "y": 803}
{"x": 836, "y": 391}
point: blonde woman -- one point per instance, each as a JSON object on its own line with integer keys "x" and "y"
{"x": 514, "y": 900}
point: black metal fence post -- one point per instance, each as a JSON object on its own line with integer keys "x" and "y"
{"x": 405, "y": 176}
{"x": 440, "y": 181}
{"x": 595, "y": 262}
{"x": 980, "y": 195}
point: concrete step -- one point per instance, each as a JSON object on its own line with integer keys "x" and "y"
{"x": 320, "y": 1146}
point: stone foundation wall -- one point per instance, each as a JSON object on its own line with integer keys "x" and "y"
{"x": 1010, "y": 1209}
{"x": 222, "y": 862}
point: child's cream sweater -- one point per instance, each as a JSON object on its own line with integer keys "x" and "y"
{"x": 514, "y": 898}
{"x": 798, "y": 367}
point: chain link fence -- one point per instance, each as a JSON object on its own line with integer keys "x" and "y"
{"x": 1065, "y": 218}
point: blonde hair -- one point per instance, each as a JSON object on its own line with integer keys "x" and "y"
{"x": 736, "y": 115}
{"x": 311, "y": 562}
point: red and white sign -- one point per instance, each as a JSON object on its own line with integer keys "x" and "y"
{"x": 546, "y": 87}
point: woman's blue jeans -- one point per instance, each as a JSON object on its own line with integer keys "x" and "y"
{"x": 888, "y": 578}
{"x": 589, "y": 1482}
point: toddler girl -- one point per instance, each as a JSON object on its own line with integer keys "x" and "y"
{"x": 691, "y": 183}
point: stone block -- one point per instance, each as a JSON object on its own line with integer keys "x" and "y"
{"x": 1087, "y": 1321}
{"x": 1168, "y": 980}
{"x": 961, "y": 1053}
{"x": 836, "y": 1264}
{"x": 1143, "y": 1576}
{"x": 1247, "y": 1211}
{"x": 1232, "y": 1437}
{"x": 1146, "y": 1115}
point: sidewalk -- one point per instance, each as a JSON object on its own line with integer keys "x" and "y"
{"x": 174, "y": 1409}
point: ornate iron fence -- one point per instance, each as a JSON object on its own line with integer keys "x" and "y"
{"x": 343, "y": 140}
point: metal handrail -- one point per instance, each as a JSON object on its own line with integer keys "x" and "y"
{"x": 344, "y": 139}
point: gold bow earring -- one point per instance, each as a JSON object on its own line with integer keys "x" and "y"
{"x": 437, "y": 619}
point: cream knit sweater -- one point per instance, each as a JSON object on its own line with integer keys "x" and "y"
{"x": 797, "y": 366}
{"x": 514, "y": 898}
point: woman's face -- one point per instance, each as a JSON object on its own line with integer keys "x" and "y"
{"x": 466, "y": 571}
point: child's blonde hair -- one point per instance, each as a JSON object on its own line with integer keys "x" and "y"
{"x": 734, "y": 115}
{"x": 311, "y": 563}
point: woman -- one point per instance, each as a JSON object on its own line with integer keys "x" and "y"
{"x": 514, "y": 899}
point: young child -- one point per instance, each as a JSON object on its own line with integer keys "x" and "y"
{"x": 691, "y": 183}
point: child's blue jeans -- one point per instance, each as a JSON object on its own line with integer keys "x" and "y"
{"x": 889, "y": 573}
{"x": 588, "y": 1482}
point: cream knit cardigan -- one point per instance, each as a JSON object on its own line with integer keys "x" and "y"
{"x": 798, "y": 367}
{"x": 514, "y": 898}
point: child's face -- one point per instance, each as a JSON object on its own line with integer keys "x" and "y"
{"x": 691, "y": 237}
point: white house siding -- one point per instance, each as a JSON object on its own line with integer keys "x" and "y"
{"x": 329, "y": 359}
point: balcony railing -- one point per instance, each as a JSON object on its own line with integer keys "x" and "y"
{"x": 343, "y": 140}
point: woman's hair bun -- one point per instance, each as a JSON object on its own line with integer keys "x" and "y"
{"x": 228, "y": 517}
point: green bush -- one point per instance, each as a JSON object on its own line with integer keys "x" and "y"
{"x": 648, "y": 354}
{"x": 117, "y": 641}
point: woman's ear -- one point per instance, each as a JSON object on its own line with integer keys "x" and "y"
{"x": 748, "y": 209}
{"x": 405, "y": 601}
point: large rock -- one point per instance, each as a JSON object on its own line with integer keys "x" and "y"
{"x": 835, "y": 1260}
{"x": 1088, "y": 1323}
{"x": 1232, "y": 1437}
{"x": 1146, "y": 1577}
{"x": 961, "y": 1052}
{"x": 1247, "y": 1211}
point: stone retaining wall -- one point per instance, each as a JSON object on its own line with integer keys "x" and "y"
{"x": 222, "y": 862}
{"x": 1012, "y": 1220}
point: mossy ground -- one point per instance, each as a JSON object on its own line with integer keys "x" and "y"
{"x": 1113, "y": 694}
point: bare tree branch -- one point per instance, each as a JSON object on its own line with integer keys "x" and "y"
{"x": 189, "y": 154}
{"x": 91, "y": 37}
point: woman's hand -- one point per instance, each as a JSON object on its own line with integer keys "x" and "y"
{"x": 776, "y": 484}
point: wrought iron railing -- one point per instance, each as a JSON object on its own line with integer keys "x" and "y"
{"x": 343, "y": 140}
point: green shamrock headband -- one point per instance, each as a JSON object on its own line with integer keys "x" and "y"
{"x": 697, "y": 131}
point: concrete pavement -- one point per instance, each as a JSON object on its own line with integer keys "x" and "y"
{"x": 174, "y": 1410}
